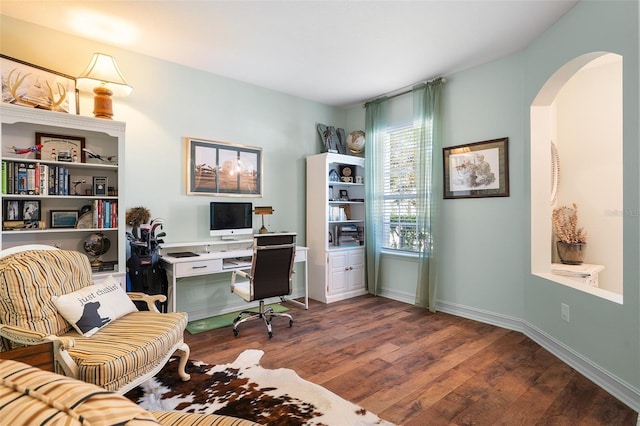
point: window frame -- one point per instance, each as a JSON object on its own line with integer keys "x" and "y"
{"x": 402, "y": 131}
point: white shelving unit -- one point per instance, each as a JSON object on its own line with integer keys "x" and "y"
{"x": 103, "y": 137}
{"x": 335, "y": 226}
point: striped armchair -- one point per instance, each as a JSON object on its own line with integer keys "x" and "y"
{"x": 118, "y": 357}
{"x": 30, "y": 396}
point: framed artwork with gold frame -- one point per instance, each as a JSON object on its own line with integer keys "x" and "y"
{"x": 223, "y": 169}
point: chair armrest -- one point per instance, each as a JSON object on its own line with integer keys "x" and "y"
{"x": 235, "y": 273}
{"x": 242, "y": 274}
{"x": 148, "y": 299}
{"x": 29, "y": 337}
{"x": 60, "y": 345}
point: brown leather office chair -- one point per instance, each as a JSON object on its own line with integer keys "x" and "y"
{"x": 270, "y": 276}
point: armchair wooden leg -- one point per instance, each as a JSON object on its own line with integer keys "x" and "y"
{"x": 184, "y": 352}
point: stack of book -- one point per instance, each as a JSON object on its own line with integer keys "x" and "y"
{"x": 348, "y": 236}
{"x": 109, "y": 265}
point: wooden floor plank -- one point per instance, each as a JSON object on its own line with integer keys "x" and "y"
{"x": 417, "y": 375}
{"x": 413, "y": 367}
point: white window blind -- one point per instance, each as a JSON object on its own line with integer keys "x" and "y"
{"x": 399, "y": 205}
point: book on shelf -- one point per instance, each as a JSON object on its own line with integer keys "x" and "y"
{"x": 21, "y": 178}
{"x": 32, "y": 189}
{"x": 107, "y": 265}
{"x": 44, "y": 179}
{"x": 7, "y": 177}
{"x": 4, "y": 177}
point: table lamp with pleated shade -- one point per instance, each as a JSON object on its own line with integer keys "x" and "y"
{"x": 103, "y": 76}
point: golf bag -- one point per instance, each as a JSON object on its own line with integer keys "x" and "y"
{"x": 146, "y": 275}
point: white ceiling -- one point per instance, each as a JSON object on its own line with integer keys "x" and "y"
{"x": 337, "y": 52}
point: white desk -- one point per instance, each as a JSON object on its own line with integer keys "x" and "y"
{"x": 210, "y": 262}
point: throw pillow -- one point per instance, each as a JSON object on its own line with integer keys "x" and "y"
{"x": 92, "y": 307}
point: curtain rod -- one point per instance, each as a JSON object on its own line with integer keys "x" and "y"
{"x": 404, "y": 92}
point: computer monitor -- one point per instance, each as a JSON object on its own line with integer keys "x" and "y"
{"x": 230, "y": 219}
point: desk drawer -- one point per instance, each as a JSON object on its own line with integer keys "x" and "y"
{"x": 202, "y": 267}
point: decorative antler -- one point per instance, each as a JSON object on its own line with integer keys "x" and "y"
{"x": 15, "y": 84}
{"x": 63, "y": 95}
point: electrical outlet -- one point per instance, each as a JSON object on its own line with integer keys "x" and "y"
{"x": 564, "y": 309}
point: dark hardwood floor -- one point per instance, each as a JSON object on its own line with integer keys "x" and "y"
{"x": 413, "y": 367}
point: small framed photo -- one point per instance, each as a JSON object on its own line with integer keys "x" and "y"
{"x": 475, "y": 170}
{"x": 68, "y": 149}
{"x": 21, "y": 210}
{"x": 30, "y": 210}
{"x": 11, "y": 210}
{"x": 344, "y": 195}
{"x": 100, "y": 185}
{"x": 64, "y": 218}
{"x": 37, "y": 87}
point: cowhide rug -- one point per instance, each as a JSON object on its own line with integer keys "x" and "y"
{"x": 244, "y": 389}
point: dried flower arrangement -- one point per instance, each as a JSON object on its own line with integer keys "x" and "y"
{"x": 137, "y": 216}
{"x": 565, "y": 224}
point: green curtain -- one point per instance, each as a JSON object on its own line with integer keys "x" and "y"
{"x": 375, "y": 124}
{"x": 427, "y": 119}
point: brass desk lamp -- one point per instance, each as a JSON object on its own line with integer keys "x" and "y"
{"x": 263, "y": 211}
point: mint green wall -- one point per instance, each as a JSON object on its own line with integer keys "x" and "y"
{"x": 170, "y": 102}
{"x": 484, "y": 247}
{"x": 485, "y": 262}
{"x": 604, "y": 333}
{"x": 482, "y": 252}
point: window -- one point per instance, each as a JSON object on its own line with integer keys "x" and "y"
{"x": 399, "y": 199}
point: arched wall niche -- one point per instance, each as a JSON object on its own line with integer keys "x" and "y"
{"x": 579, "y": 109}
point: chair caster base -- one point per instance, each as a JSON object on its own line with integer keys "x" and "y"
{"x": 265, "y": 314}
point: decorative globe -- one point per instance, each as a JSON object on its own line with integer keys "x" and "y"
{"x": 355, "y": 141}
{"x": 96, "y": 245}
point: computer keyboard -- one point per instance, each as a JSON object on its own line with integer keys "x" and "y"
{"x": 238, "y": 262}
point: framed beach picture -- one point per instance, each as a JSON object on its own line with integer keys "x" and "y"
{"x": 33, "y": 86}
{"x": 223, "y": 169}
{"x": 63, "y": 218}
{"x": 479, "y": 169}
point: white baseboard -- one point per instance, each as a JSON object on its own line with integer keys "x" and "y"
{"x": 400, "y": 296}
{"x": 607, "y": 381}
